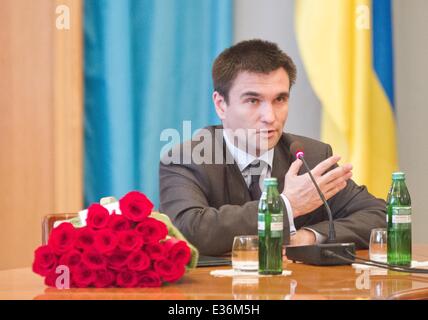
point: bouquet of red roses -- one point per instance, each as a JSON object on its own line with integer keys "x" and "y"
{"x": 131, "y": 249}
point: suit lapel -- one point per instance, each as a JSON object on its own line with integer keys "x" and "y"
{"x": 234, "y": 183}
{"x": 238, "y": 190}
{"x": 282, "y": 159}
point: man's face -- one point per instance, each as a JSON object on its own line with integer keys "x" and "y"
{"x": 259, "y": 102}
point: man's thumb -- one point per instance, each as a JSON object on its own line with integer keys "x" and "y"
{"x": 295, "y": 167}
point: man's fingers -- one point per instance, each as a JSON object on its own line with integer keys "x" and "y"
{"x": 325, "y": 165}
{"x": 295, "y": 167}
{"x": 333, "y": 191}
{"x": 337, "y": 181}
{"x": 335, "y": 174}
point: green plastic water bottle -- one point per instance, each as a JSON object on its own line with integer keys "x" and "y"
{"x": 270, "y": 228}
{"x": 399, "y": 219}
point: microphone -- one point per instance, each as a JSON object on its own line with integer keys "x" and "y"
{"x": 319, "y": 254}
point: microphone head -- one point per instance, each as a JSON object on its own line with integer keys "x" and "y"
{"x": 297, "y": 149}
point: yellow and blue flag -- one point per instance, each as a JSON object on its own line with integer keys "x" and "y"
{"x": 346, "y": 47}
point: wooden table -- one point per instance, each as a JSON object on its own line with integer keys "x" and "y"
{"x": 305, "y": 282}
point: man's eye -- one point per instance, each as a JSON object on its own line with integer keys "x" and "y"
{"x": 281, "y": 99}
{"x": 253, "y": 101}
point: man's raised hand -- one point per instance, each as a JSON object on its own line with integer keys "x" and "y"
{"x": 300, "y": 190}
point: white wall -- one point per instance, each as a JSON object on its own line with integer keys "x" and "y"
{"x": 274, "y": 20}
{"x": 411, "y": 92}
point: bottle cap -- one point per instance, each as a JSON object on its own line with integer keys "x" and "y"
{"x": 270, "y": 182}
{"x": 398, "y": 176}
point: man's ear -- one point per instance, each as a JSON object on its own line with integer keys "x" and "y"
{"x": 220, "y": 105}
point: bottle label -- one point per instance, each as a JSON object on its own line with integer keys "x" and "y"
{"x": 261, "y": 224}
{"x": 402, "y": 219}
{"x": 276, "y": 226}
{"x": 401, "y": 215}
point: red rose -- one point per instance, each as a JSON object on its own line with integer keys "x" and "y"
{"x": 118, "y": 223}
{"x": 138, "y": 261}
{"x": 94, "y": 260}
{"x": 98, "y": 216}
{"x": 179, "y": 271}
{"x": 177, "y": 251}
{"x": 44, "y": 260}
{"x": 130, "y": 240}
{"x": 104, "y": 278}
{"x": 105, "y": 241}
{"x": 62, "y": 238}
{"x": 85, "y": 238}
{"x": 168, "y": 270}
{"x": 150, "y": 278}
{"x": 71, "y": 259}
{"x": 156, "y": 251}
{"x": 152, "y": 230}
{"x": 135, "y": 206}
{"x": 50, "y": 279}
{"x": 127, "y": 279}
{"x": 82, "y": 276}
{"x": 117, "y": 260}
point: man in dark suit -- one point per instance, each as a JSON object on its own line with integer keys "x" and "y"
{"x": 210, "y": 186}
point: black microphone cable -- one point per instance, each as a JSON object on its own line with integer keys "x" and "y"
{"x": 410, "y": 269}
{"x": 373, "y": 263}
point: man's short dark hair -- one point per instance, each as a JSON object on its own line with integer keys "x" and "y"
{"x": 257, "y": 56}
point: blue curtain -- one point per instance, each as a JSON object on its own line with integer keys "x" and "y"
{"x": 147, "y": 68}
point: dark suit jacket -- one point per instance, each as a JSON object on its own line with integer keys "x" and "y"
{"x": 210, "y": 203}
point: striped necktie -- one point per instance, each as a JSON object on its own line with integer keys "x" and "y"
{"x": 254, "y": 170}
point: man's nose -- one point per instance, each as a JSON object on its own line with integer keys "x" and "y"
{"x": 267, "y": 113}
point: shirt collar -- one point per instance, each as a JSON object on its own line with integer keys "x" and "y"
{"x": 243, "y": 159}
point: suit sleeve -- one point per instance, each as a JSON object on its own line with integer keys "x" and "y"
{"x": 355, "y": 212}
{"x": 210, "y": 229}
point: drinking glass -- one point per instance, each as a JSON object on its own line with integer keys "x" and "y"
{"x": 245, "y": 253}
{"x": 377, "y": 246}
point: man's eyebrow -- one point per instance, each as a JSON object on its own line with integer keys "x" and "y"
{"x": 284, "y": 94}
{"x": 250, "y": 94}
